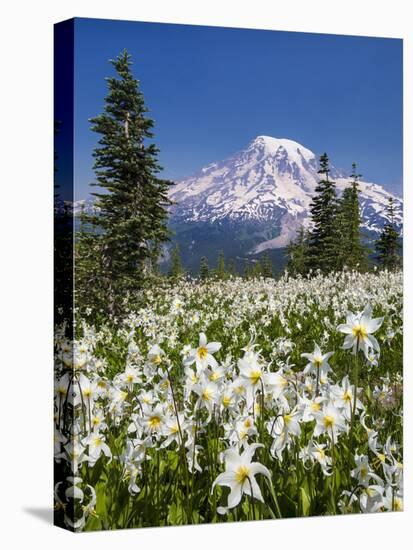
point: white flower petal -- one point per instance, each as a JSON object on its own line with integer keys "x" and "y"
{"x": 226, "y": 478}
{"x": 234, "y": 498}
{"x": 258, "y": 468}
{"x": 345, "y": 329}
{"x": 213, "y": 347}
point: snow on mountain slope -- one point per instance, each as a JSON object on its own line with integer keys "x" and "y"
{"x": 270, "y": 183}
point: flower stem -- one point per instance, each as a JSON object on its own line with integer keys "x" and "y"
{"x": 356, "y": 380}
{"x": 275, "y": 499}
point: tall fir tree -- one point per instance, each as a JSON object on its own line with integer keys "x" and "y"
{"x": 387, "y": 245}
{"x": 131, "y": 223}
{"x": 324, "y": 236}
{"x": 176, "y": 269}
{"x": 203, "y": 269}
{"x": 351, "y": 253}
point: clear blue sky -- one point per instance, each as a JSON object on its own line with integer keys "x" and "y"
{"x": 211, "y": 90}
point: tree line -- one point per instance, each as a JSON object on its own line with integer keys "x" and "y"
{"x": 224, "y": 269}
{"x": 334, "y": 240}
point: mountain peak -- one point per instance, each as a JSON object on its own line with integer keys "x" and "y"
{"x": 272, "y": 146}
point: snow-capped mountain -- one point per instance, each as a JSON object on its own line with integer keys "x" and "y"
{"x": 264, "y": 191}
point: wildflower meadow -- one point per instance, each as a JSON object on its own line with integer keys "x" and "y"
{"x": 232, "y": 400}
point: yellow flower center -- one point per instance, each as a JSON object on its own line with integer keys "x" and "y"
{"x": 129, "y": 378}
{"x": 318, "y": 361}
{"x": 226, "y": 401}
{"x": 315, "y": 407}
{"x": 347, "y": 396}
{"x": 359, "y": 331}
{"x": 321, "y": 454}
{"x": 287, "y": 419}
{"x": 154, "y": 422}
{"x": 156, "y": 359}
{"x": 202, "y": 352}
{"x": 242, "y": 473}
{"x": 206, "y": 395}
{"x": 214, "y": 377}
{"x": 329, "y": 421}
{"x": 255, "y": 376}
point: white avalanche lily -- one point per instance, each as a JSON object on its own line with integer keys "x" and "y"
{"x": 155, "y": 355}
{"x": 240, "y": 474}
{"x": 359, "y": 328}
{"x": 250, "y": 369}
{"x": 329, "y": 420}
{"x": 343, "y": 398}
{"x": 202, "y": 355}
{"x": 317, "y": 361}
{"x": 97, "y": 446}
{"x": 207, "y": 394}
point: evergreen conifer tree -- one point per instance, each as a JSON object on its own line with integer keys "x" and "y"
{"x": 350, "y": 252}
{"x": 132, "y": 214}
{"x": 324, "y": 236}
{"x": 387, "y": 245}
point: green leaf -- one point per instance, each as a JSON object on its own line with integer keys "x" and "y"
{"x": 175, "y": 514}
{"x": 305, "y": 501}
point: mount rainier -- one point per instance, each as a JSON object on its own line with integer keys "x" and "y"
{"x": 257, "y": 199}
